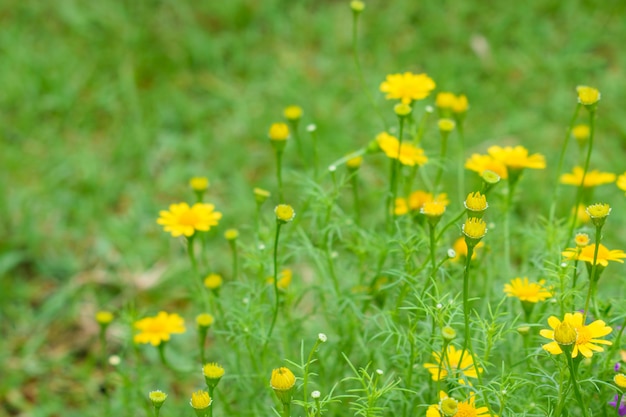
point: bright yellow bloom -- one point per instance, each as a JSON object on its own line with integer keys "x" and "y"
{"x": 282, "y": 379}
{"x": 181, "y": 219}
{"x": 433, "y": 209}
{"x": 157, "y": 329}
{"x": 581, "y": 132}
{"x": 481, "y": 163}
{"x": 157, "y": 397}
{"x": 354, "y": 162}
{"x": 104, "y": 317}
{"x": 475, "y": 228}
{"x": 460, "y": 249}
{"x": 293, "y": 112}
{"x": 476, "y": 202}
{"x": 213, "y": 371}
{"x": 408, "y": 154}
{"x": 586, "y": 335}
{"x": 532, "y": 292}
{"x": 581, "y": 239}
{"x": 200, "y": 400}
{"x": 213, "y": 281}
{"x": 449, "y": 407}
{"x": 284, "y": 212}
{"x": 416, "y": 201}
{"x": 586, "y": 254}
{"x": 516, "y": 157}
{"x": 592, "y": 179}
{"x": 445, "y": 100}
{"x": 565, "y": 334}
{"x": 450, "y": 364}
{"x": 598, "y": 210}
{"x": 407, "y": 87}
{"x": 446, "y": 125}
{"x": 284, "y": 279}
{"x": 278, "y": 131}
{"x": 460, "y": 104}
{"x": 620, "y": 380}
{"x": 204, "y": 320}
{"x": 587, "y": 95}
{"x": 199, "y": 183}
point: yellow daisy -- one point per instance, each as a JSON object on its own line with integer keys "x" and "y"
{"x": 585, "y": 254}
{"x": 451, "y": 364}
{"x": 157, "y": 329}
{"x": 517, "y": 157}
{"x": 408, "y": 154}
{"x": 181, "y": 219}
{"x": 531, "y": 292}
{"x": 586, "y": 335}
{"x": 481, "y": 163}
{"x": 407, "y": 87}
{"x": 592, "y": 179}
{"x": 448, "y": 406}
{"x": 460, "y": 249}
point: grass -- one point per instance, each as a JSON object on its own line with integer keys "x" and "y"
{"x": 109, "y": 108}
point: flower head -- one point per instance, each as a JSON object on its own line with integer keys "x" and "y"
{"x": 598, "y": 210}
{"x": 284, "y": 213}
{"x": 402, "y": 109}
{"x": 354, "y": 162}
{"x": 585, "y": 254}
{"x": 451, "y": 364}
{"x": 587, "y": 96}
{"x": 483, "y": 163}
{"x": 212, "y": 372}
{"x": 516, "y": 158}
{"x": 157, "y": 398}
{"x": 581, "y": 239}
{"x": 200, "y": 400}
{"x": 293, "y": 113}
{"x": 587, "y": 336}
{"x": 357, "y": 6}
{"x": 475, "y": 228}
{"x": 104, "y": 317}
{"x": 182, "y": 220}
{"x": 460, "y": 104}
{"x": 406, "y": 153}
{"x": 199, "y": 183}
{"x": 592, "y": 178}
{"x": 282, "y": 379}
{"x": 445, "y": 100}
{"x": 284, "y": 279}
{"x": 476, "y": 202}
{"x": 620, "y": 380}
{"x": 416, "y": 201}
{"x": 204, "y": 320}
{"x": 564, "y": 334}
{"x": 158, "y": 329}
{"x": 581, "y": 132}
{"x": 433, "y": 209}
{"x": 407, "y": 87}
{"x": 278, "y": 131}
{"x": 231, "y": 234}
{"x": 533, "y": 292}
{"x": 446, "y": 125}
{"x": 213, "y": 281}
{"x": 260, "y": 195}
{"x": 450, "y": 407}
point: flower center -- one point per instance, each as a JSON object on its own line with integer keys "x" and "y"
{"x": 465, "y": 410}
{"x": 188, "y": 218}
{"x": 583, "y": 336}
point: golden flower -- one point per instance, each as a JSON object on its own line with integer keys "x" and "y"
{"x": 407, "y": 87}
{"x": 586, "y": 335}
{"x": 476, "y": 202}
{"x": 450, "y": 364}
{"x": 585, "y": 254}
{"x": 416, "y": 201}
{"x": 481, "y": 163}
{"x": 598, "y": 210}
{"x": 460, "y": 249}
{"x": 532, "y": 292}
{"x": 564, "y": 334}
{"x": 282, "y": 379}
{"x": 581, "y": 132}
{"x": 581, "y": 239}
{"x": 204, "y": 320}
{"x": 587, "y": 95}
{"x": 284, "y": 213}
{"x": 433, "y": 209}
{"x": 181, "y": 219}
{"x": 104, "y": 317}
{"x": 278, "y": 131}
{"x": 460, "y": 104}
{"x": 516, "y": 157}
{"x": 357, "y": 6}
{"x": 293, "y": 112}
{"x": 157, "y": 397}
{"x": 446, "y": 125}
{"x": 213, "y": 281}
{"x": 354, "y": 162}
{"x": 401, "y": 207}
{"x": 213, "y": 371}
{"x": 592, "y": 179}
{"x": 200, "y": 400}
{"x": 444, "y": 100}
{"x": 199, "y": 183}
{"x": 449, "y": 407}
{"x": 475, "y": 228}
{"x": 284, "y": 279}
{"x": 620, "y": 380}
{"x": 407, "y": 153}
{"x": 158, "y": 329}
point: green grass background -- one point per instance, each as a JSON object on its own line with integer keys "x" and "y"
{"x": 108, "y": 108}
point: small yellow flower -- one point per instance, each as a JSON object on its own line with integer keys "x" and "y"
{"x": 402, "y": 109}
{"x": 407, "y": 87}
{"x": 200, "y": 400}
{"x": 460, "y": 249}
{"x": 212, "y": 372}
{"x": 213, "y": 281}
{"x": 416, "y": 201}
{"x": 278, "y": 131}
{"x": 598, "y": 211}
{"x": 293, "y": 113}
{"x": 451, "y": 364}
{"x": 260, "y": 195}
{"x": 284, "y": 279}
{"x": 532, "y": 292}
{"x": 475, "y": 228}
{"x": 620, "y": 380}
{"x": 433, "y": 209}
{"x": 445, "y": 100}
{"x": 592, "y": 179}
{"x": 182, "y": 220}
{"x": 284, "y": 213}
{"x": 587, "y": 96}
{"x": 158, "y": 329}
{"x": 476, "y": 202}
{"x": 231, "y": 234}
{"x": 586, "y": 340}
{"x": 199, "y": 183}
{"x": 354, "y": 162}
{"x": 446, "y": 125}
{"x": 157, "y": 397}
{"x": 282, "y": 379}
{"x": 484, "y": 163}
{"x": 406, "y": 153}
{"x": 104, "y": 317}
{"x": 357, "y": 6}
{"x": 564, "y": 334}
{"x": 449, "y": 407}
{"x": 581, "y": 239}
{"x": 581, "y": 132}
{"x": 204, "y": 320}
{"x": 585, "y": 254}
{"x": 460, "y": 104}
{"x": 516, "y": 158}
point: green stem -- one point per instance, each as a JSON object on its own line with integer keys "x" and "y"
{"x": 393, "y": 183}
{"x": 574, "y": 383}
{"x": 279, "y": 175}
{"x": 461, "y": 172}
{"x": 444, "y": 149}
{"x": 276, "y": 292}
{"x": 433, "y": 246}
{"x": 305, "y": 378}
{"x": 450, "y": 224}
{"x": 355, "y": 195}
{"x": 592, "y": 274}
{"x": 507, "y": 221}
{"x": 233, "y": 246}
{"x": 286, "y": 410}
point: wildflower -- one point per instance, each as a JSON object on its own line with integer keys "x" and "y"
{"x": 284, "y": 213}
{"x": 406, "y": 153}
{"x": 451, "y": 364}
{"x": 460, "y": 249}
{"x": 158, "y": 329}
{"x": 204, "y": 320}
{"x": 402, "y": 109}
{"x": 104, "y": 318}
{"x": 157, "y": 398}
{"x": 460, "y": 104}
{"x": 581, "y": 239}
{"x": 621, "y": 410}
{"x": 407, "y": 87}
{"x": 592, "y": 178}
{"x": 476, "y": 203}
{"x": 446, "y": 125}
{"x": 449, "y": 407}
{"x": 260, "y": 195}
{"x": 581, "y": 132}
{"x": 516, "y": 158}
{"x": 532, "y": 292}
{"x": 199, "y": 184}
{"x": 585, "y": 254}
{"x": 293, "y": 113}
{"x": 416, "y": 201}
{"x": 565, "y": 334}
{"x": 200, "y": 401}
{"x": 184, "y": 220}
{"x": 598, "y": 213}
{"x": 433, "y": 210}
{"x": 587, "y": 336}
{"x": 212, "y": 372}
{"x": 213, "y": 281}
{"x": 587, "y": 96}
{"x": 231, "y": 234}
{"x": 484, "y": 163}
{"x": 475, "y": 228}
{"x": 284, "y": 279}
{"x": 357, "y": 6}
{"x": 448, "y": 334}
{"x": 278, "y": 132}
{"x": 620, "y": 380}
{"x": 355, "y": 162}
{"x": 445, "y": 100}
{"x": 282, "y": 382}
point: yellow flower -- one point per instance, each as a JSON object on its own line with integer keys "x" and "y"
{"x": 282, "y": 379}
{"x": 213, "y": 371}
{"x": 620, "y": 380}
{"x": 284, "y": 213}
{"x": 408, "y": 154}
{"x": 445, "y": 100}
{"x": 598, "y": 210}
{"x": 357, "y": 6}
{"x": 104, "y": 317}
{"x": 199, "y": 183}
{"x": 587, "y": 95}
{"x": 476, "y": 202}
{"x": 293, "y": 112}
{"x": 449, "y": 407}
{"x": 446, "y": 125}
{"x": 231, "y": 234}
{"x": 451, "y": 364}
{"x": 157, "y": 329}
{"x": 416, "y": 201}
{"x": 565, "y": 334}
{"x": 278, "y": 131}
{"x": 475, "y": 228}
{"x": 354, "y": 162}
{"x": 460, "y": 104}
{"x": 157, "y": 397}
{"x": 181, "y": 219}
{"x": 481, "y": 163}
{"x": 284, "y": 279}
{"x": 621, "y": 182}
{"x": 402, "y": 109}
{"x": 407, "y": 87}
{"x": 401, "y": 207}
{"x": 581, "y": 132}
{"x": 204, "y": 320}
{"x": 433, "y": 209}
{"x": 200, "y": 400}
{"x": 586, "y": 335}
{"x": 581, "y": 239}
{"x": 460, "y": 249}
{"x": 213, "y": 281}
{"x": 516, "y": 157}
{"x": 592, "y": 179}
{"x": 585, "y": 254}
{"x": 532, "y": 292}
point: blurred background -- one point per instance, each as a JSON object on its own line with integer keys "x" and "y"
{"x": 108, "y": 108}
